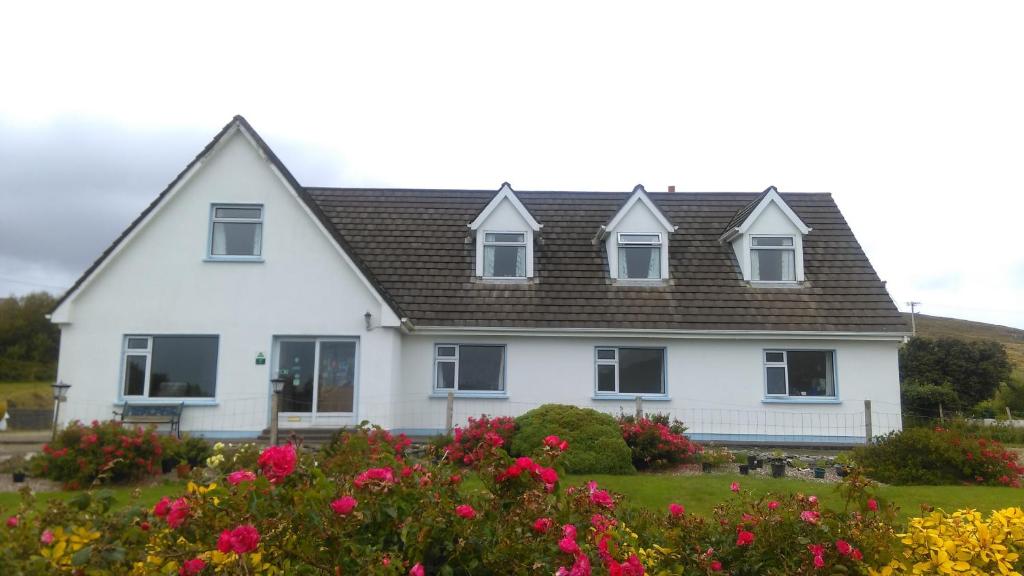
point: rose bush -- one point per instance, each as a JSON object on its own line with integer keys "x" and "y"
{"x": 655, "y": 445}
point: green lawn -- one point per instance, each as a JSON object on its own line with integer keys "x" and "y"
{"x": 700, "y": 493}
{"x": 147, "y": 497}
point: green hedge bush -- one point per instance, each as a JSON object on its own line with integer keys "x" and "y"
{"x": 595, "y": 440}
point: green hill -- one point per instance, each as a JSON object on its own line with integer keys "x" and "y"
{"x": 937, "y": 327}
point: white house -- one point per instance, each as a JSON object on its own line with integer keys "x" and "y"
{"x": 748, "y": 316}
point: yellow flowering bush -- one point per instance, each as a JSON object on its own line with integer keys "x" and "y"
{"x": 964, "y": 542}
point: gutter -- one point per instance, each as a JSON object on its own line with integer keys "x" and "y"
{"x": 409, "y": 328}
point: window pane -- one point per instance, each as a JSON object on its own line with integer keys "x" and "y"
{"x": 138, "y": 343}
{"x": 775, "y": 357}
{"x": 298, "y": 359}
{"x": 641, "y": 371}
{"x": 639, "y": 262}
{"x": 502, "y": 237}
{"x": 639, "y": 238}
{"x": 505, "y": 261}
{"x": 446, "y": 351}
{"x": 250, "y": 213}
{"x": 606, "y": 354}
{"x": 810, "y": 373}
{"x": 773, "y": 241}
{"x": 446, "y": 375}
{"x": 773, "y": 265}
{"x": 606, "y": 378}
{"x": 134, "y": 375}
{"x": 776, "y": 379}
{"x": 236, "y": 239}
{"x": 183, "y": 367}
{"x": 336, "y": 377}
{"x": 481, "y": 368}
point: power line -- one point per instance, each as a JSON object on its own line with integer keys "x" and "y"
{"x": 28, "y": 283}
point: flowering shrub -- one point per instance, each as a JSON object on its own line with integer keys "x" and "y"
{"x": 654, "y": 445}
{"x": 107, "y": 450}
{"x": 964, "y": 542}
{"x": 939, "y": 456}
{"x": 474, "y": 443}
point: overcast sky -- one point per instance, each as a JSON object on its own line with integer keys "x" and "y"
{"x": 910, "y": 113}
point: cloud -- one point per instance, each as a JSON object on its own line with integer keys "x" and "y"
{"x": 950, "y": 281}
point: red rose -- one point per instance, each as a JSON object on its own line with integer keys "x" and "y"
{"x": 239, "y": 476}
{"x": 343, "y": 506}
{"x": 676, "y": 510}
{"x": 716, "y": 566}
{"x": 192, "y": 567}
{"x": 277, "y": 462}
{"x": 162, "y": 507}
{"x": 179, "y": 512}
{"x": 224, "y": 542}
{"x": 241, "y": 540}
{"x": 744, "y": 538}
{"x": 465, "y": 511}
{"x": 542, "y": 525}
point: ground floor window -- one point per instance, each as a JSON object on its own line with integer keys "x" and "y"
{"x": 630, "y": 370}
{"x": 170, "y": 366}
{"x": 319, "y": 374}
{"x": 801, "y": 373}
{"x": 469, "y": 368}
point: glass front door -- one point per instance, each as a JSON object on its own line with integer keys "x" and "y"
{"x": 320, "y": 381}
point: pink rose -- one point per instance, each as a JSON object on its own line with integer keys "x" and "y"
{"x": 542, "y": 525}
{"x": 179, "y": 513}
{"x": 417, "y": 570}
{"x": 239, "y": 476}
{"x": 12, "y": 522}
{"x": 553, "y": 441}
{"x": 810, "y": 516}
{"x": 676, "y": 510}
{"x": 716, "y": 566}
{"x": 856, "y": 555}
{"x": 744, "y": 538}
{"x": 162, "y": 507}
{"x": 277, "y": 462}
{"x": 192, "y": 567}
{"x": 600, "y": 497}
{"x": 773, "y": 505}
{"x": 735, "y": 486}
{"x": 241, "y": 540}
{"x": 465, "y": 511}
{"x": 548, "y": 476}
{"x": 46, "y": 538}
{"x": 344, "y": 505}
{"x": 224, "y": 542}
{"x": 568, "y": 545}
{"x": 813, "y": 500}
{"x": 843, "y": 547}
{"x": 872, "y": 504}
{"x": 384, "y": 476}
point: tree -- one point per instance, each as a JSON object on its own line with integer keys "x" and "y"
{"x": 29, "y": 342}
{"x": 974, "y": 368}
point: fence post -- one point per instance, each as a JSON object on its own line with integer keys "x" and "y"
{"x": 942, "y": 418}
{"x": 639, "y": 408}
{"x": 449, "y": 413}
{"x": 867, "y": 421}
{"x": 1009, "y": 416}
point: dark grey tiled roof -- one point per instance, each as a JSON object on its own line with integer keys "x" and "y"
{"x": 417, "y": 247}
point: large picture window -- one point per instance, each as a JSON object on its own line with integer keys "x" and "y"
{"x": 236, "y": 231}
{"x": 772, "y": 259}
{"x": 630, "y": 370}
{"x": 800, "y": 373}
{"x": 170, "y": 366}
{"x": 640, "y": 256}
{"x": 469, "y": 368}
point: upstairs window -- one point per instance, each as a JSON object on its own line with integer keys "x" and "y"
{"x": 236, "y": 231}
{"x": 505, "y": 255}
{"x": 469, "y": 368}
{"x": 772, "y": 259}
{"x": 800, "y": 373}
{"x": 630, "y": 371}
{"x": 640, "y": 256}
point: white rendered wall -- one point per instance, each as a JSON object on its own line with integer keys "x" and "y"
{"x": 160, "y": 284}
{"x": 716, "y": 386}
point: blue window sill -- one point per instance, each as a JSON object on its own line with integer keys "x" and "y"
{"x": 801, "y": 400}
{"x": 632, "y": 397}
{"x": 457, "y": 394}
{"x": 249, "y": 259}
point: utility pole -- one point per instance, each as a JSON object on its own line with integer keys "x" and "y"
{"x": 913, "y": 316}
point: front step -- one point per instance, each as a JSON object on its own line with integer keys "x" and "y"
{"x": 311, "y": 437}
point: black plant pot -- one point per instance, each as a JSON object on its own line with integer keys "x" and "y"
{"x": 778, "y": 469}
{"x": 751, "y": 461}
{"x": 18, "y": 477}
{"x": 167, "y": 465}
{"x": 819, "y": 472}
{"x": 841, "y": 471}
{"x": 744, "y": 469}
{"x": 705, "y": 467}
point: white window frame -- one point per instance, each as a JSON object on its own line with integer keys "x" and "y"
{"x": 598, "y": 361}
{"x": 214, "y": 219}
{"x": 623, "y": 242}
{"x": 785, "y": 365}
{"x": 502, "y": 391}
{"x": 525, "y": 244}
{"x": 794, "y": 248}
{"x": 148, "y": 353}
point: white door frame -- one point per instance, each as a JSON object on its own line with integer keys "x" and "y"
{"x": 314, "y": 417}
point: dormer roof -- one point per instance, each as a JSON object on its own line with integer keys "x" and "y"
{"x": 746, "y": 216}
{"x": 505, "y": 193}
{"x": 638, "y": 195}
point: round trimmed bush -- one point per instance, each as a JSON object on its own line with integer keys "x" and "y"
{"x": 595, "y": 441}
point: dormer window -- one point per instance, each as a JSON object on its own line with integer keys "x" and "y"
{"x": 772, "y": 259}
{"x": 505, "y": 255}
{"x": 640, "y": 256}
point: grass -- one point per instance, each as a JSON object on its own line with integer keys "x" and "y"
{"x": 26, "y": 394}
{"x": 148, "y": 495}
{"x": 700, "y": 493}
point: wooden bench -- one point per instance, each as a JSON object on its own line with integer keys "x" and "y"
{"x": 153, "y": 414}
